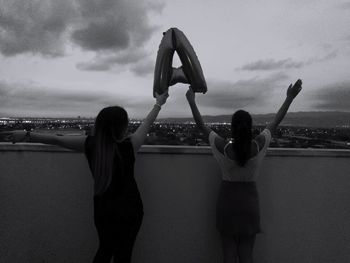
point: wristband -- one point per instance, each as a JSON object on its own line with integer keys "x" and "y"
{"x": 157, "y": 104}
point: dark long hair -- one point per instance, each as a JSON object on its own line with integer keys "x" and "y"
{"x": 241, "y": 128}
{"x": 110, "y": 126}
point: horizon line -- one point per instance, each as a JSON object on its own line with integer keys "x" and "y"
{"x": 180, "y": 117}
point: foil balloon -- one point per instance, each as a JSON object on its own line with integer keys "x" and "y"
{"x": 163, "y": 69}
{"x": 178, "y": 76}
{"x": 190, "y": 72}
{"x": 190, "y": 63}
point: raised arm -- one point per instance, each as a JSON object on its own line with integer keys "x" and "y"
{"x": 292, "y": 92}
{"x": 75, "y": 143}
{"x": 190, "y": 95}
{"x": 139, "y": 136}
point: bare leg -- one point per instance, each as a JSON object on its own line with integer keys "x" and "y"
{"x": 229, "y": 247}
{"x": 245, "y": 249}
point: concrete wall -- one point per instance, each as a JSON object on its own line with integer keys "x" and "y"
{"x": 46, "y": 206}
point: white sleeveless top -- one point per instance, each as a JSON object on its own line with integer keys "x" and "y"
{"x": 231, "y": 170}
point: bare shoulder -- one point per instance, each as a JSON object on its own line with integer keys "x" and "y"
{"x": 206, "y": 130}
{"x": 220, "y": 143}
{"x": 260, "y": 139}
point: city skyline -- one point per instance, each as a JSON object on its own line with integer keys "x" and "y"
{"x": 75, "y": 57}
{"x": 293, "y": 119}
{"x": 188, "y": 134}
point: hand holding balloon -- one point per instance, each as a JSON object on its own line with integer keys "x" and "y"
{"x": 161, "y": 98}
{"x": 163, "y": 67}
{"x": 190, "y": 95}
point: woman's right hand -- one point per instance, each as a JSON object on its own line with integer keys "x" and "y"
{"x": 293, "y": 90}
{"x": 161, "y": 98}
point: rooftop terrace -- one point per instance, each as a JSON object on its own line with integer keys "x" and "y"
{"x": 46, "y": 206}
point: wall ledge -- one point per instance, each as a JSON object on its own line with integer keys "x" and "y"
{"x": 168, "y": 149}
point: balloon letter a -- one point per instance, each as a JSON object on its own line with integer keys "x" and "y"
{"x": 190, "y": 72}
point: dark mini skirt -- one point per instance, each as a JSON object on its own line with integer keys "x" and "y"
{"x": 237, "y": 210}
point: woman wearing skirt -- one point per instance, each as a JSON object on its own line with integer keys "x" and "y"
{"x": 237, "y": 213}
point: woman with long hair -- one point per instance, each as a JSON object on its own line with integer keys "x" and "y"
{"x": 118, "y": 209}
{"x": 237, "y": 213}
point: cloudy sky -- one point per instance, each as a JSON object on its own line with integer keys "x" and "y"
{"x": 73, "y": 57}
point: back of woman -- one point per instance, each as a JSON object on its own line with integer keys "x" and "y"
{"x": 230, "y": 168}
{"x": 122, "y": 193}
{"x": 238, "y": 212}
{"x": 118, "y": 209}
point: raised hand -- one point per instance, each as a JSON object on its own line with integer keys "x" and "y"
{"x": 293, "y": 90}
{"x": 13, "y": 136}
{"x": 161, "y": 99}
{"x": 190, "y": 95}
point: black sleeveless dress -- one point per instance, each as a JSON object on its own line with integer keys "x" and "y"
{"x": 118, "y": 212}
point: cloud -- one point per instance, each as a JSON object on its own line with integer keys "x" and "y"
{"x": 344, "y": 5}
{"x": 36, "y": 27}
{"x": 113, "y": 25}
{"x": 32, "y": 99}
{"x": 117, "y": 33}
{"x": 144, "y": 68}
{"x": 103, "y": 62}
{"x": 25, "y": 99}
{"x": 156, "y": 7}
{"x": 333, "y": 97}
{"x": 115, "y": 30}
{"x": 101, "y": 36}
{"x": 326, "y": 57}
{"x": 232, "y": 95}
{"x": 272, "y": 64}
